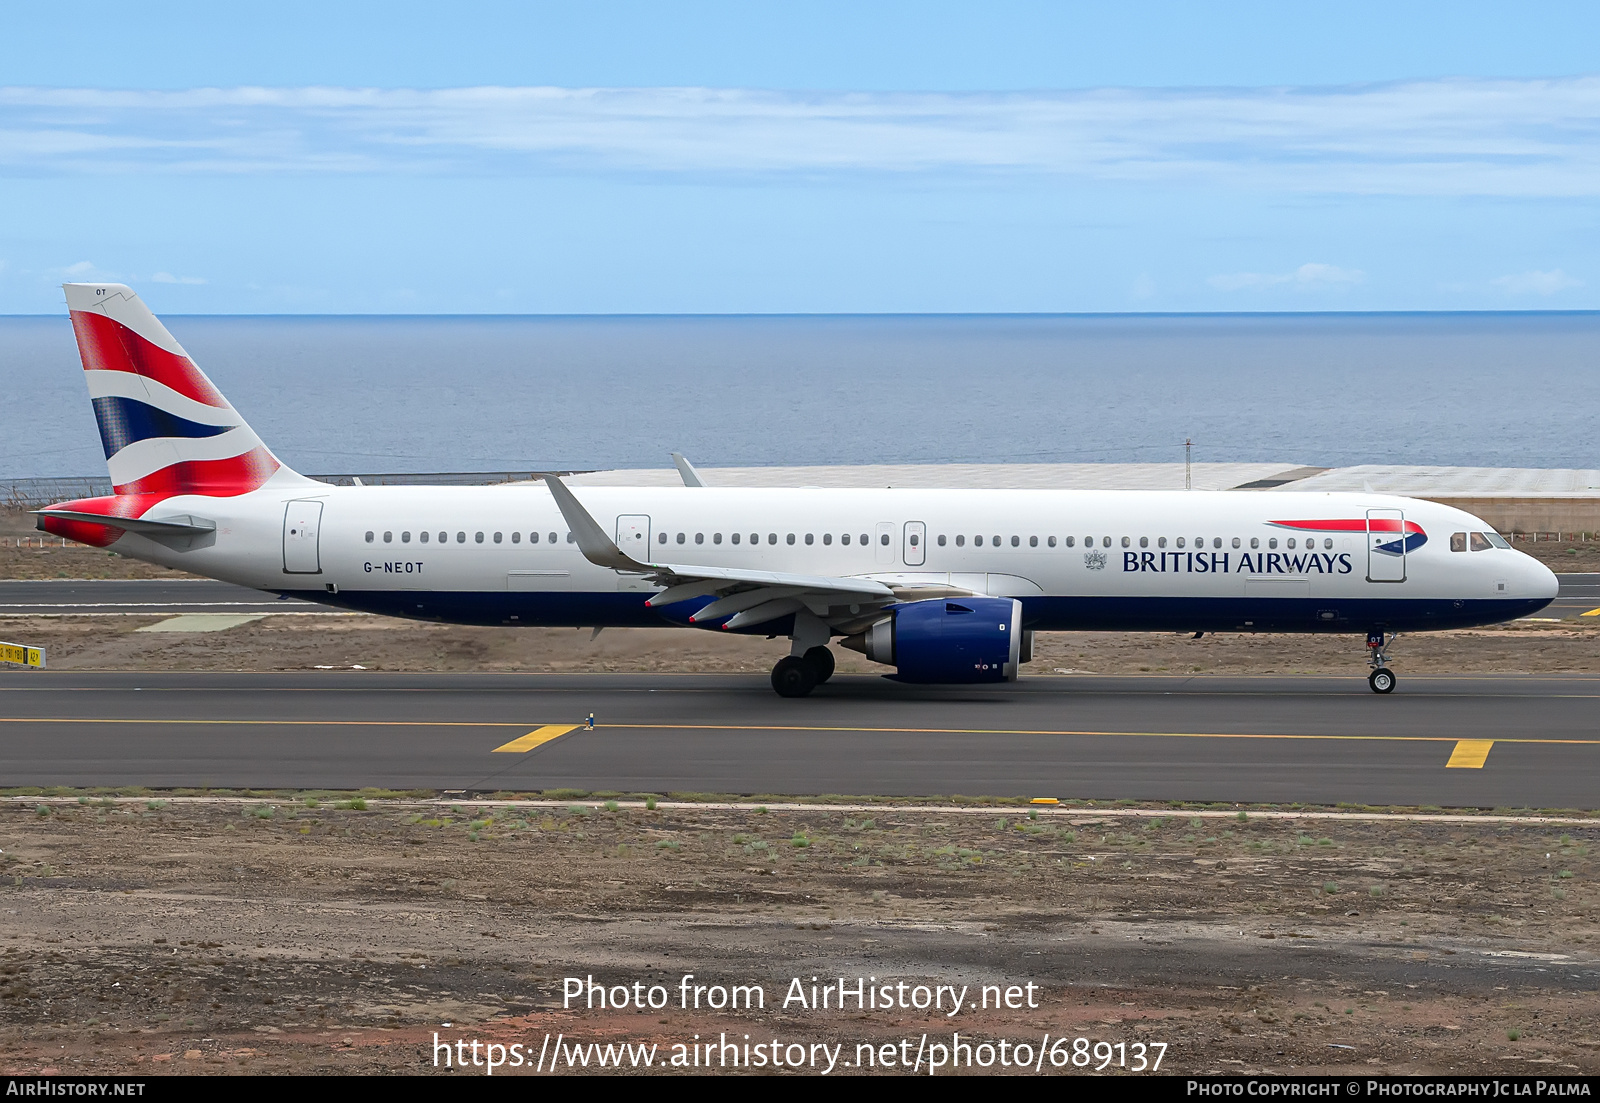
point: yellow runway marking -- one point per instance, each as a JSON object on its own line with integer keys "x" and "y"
{"x": 1470, "y": 754}
{"x": 780, "y": 728}
{"x": 1591, "y": 613}
{"x": 537, "y": 738}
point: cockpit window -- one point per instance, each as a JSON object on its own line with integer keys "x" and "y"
{"x": 1458, "y": 541}
{"x": 1480, "y": 542}
{"x": 1497, "y": 540}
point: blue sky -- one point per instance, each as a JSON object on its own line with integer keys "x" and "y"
{"x": 803, "y": 157}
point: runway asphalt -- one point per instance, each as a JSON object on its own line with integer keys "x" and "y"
{"x": 138, "y": 595}
{"x": 1580, "y": 593}
{"x": 1516, "y": 741}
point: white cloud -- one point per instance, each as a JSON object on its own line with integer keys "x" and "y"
{"x": 82, "y": 268}
{"x": 168, "y": 277}
{"x": 1308, "y": 277}
{"x": 1537, "y": 283}
{"x": 1443, "y": 137}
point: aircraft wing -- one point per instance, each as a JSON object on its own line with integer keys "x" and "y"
{"x": 752, "y": 597}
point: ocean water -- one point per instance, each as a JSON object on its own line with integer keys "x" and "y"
{"x": 377, "y": 394}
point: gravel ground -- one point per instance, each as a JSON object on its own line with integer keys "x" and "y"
{"x": 276, "y": 935}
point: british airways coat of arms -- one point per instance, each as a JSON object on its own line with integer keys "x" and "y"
{"x": 1095, "y": 560}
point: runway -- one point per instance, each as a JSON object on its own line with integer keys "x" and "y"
{"x": 1480, "y": 741}
{"x": 142, "y": 596}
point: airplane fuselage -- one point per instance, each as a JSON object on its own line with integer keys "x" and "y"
{"x": 1077, "y": 560}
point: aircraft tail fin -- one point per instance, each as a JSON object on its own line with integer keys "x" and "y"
{"x": 166, "y": 428}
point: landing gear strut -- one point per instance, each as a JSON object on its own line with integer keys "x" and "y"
{"x": 1382, "y": 678}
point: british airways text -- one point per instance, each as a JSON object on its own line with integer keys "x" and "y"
{"x": 1177, "y": 562}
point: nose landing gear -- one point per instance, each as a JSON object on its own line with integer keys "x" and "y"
{"x": 1381, "y": 679}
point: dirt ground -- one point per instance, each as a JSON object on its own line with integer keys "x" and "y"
{"x": 284, "y": 935}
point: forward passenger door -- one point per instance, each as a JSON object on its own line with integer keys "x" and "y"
{"x": 1386, "y": 545}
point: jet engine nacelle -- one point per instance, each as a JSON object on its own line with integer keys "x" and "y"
{"x": 949, "y": 640}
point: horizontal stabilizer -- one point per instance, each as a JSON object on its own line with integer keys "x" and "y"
{"x": 145, "y": 526}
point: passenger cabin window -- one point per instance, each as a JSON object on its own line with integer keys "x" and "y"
{"x": 1255, "y": 542}
{"x": 772, "y": 538}
{"x": 388, "y": 538}
{"x": 552, "y": 537}
{"x": 423, "y": 537}
{"x": 1161, "y": 541}
{"x": 827, "y": 539}
{"x": 461, "y": 538}
{"x": 369, "y": 537}
{"x": 1236, "y": 541}
{"x": 478, "y": 538}
{"x": 1016, "y": 541}
{"x": 716, "y": 538}
{"x": 734, "y": 538}
{"x": 790, "y": 539}
{"x": 497, "y": 538}
{"x": 533, "y": 538}
{"x": 1126, "y": 542}
{"x": 961, "y": 541}
{"x": 1033, "y": 541}
{"x": 1480, "y": 542}
{"x": 699, "y": 538}
{"x": 405, "y": 537}
{"x": 1069, "y": 540}
{"x": 1052, "y": 541}
{"x": 1180, "y": 541}
{"x": 516, "y": 537}
{"x": 865, "y": 541}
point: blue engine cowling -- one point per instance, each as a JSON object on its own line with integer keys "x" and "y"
{"x": 948, "y": 640}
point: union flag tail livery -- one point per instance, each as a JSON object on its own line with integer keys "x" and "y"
{"x": 165, "y": 427}
{"x": 945, "y": 586}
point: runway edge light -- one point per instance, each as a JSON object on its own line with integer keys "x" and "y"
{"x": 22, "y": 655}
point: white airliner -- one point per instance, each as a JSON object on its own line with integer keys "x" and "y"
{"x": 946, "y": 586}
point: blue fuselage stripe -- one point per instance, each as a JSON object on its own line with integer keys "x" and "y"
{"x": 1050, "y": 614}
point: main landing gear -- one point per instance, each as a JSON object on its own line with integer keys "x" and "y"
{"x": 1382, "y": 678}
{"x": 798, "y": 675}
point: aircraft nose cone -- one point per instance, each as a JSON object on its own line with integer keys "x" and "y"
{"x": 1547, "y": 584}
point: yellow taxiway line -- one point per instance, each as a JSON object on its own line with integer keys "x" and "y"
{"x": 536, "y": 738}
